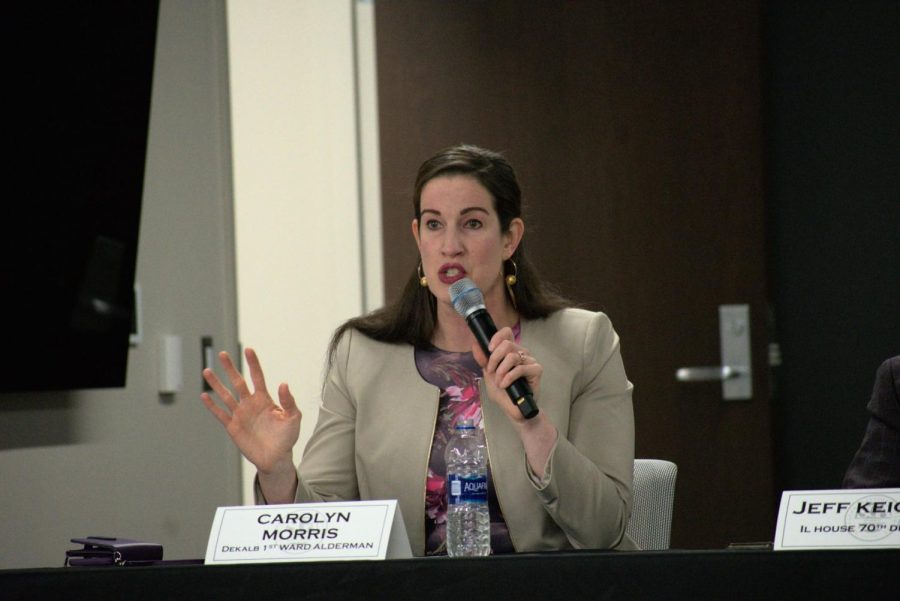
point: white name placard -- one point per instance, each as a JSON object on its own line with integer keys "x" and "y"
{"x": 356, "y": 530}
{"x": 838, "y": 519}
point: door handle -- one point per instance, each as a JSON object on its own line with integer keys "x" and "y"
{"x": 736, "y": 372}
{"x": 706, "y": 374}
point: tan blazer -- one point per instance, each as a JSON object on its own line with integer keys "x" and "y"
{"x": 376, "y": 424}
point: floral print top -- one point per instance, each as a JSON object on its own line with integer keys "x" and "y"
{"x": 457, "y": 375}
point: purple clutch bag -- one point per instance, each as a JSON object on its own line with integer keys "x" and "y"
{"x": 106, "y": 551}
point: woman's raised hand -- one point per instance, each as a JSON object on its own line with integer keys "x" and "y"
{"x": 263, "y": 431}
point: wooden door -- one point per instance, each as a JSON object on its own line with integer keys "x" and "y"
{"x": 635, "y": 130}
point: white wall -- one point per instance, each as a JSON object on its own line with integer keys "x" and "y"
{"x": 130, "y": 462}
{"x": 307, "y": 218}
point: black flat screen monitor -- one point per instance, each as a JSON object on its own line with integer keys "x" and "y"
{"x": 79, "y": 80}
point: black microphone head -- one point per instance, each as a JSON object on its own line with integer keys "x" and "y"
{"x": 466, "y": 297}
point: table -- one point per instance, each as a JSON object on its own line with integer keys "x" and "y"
{"x": 673, "y": 574}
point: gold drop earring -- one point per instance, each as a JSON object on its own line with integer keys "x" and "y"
{"x": 510, "y": 281}
{"x": 423, "y": 281}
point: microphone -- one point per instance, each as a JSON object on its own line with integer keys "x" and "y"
{"x": 468, "y": 301}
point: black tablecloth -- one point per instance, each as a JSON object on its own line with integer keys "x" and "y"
{"x": 726, "y": 574}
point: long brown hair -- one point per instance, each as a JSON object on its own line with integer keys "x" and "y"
{"x": 413, "y": 317}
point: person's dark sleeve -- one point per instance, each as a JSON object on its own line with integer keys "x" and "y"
{"x": 877, "y": 461}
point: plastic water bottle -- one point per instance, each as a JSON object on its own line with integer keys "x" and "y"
{"x": 468, "y": 519}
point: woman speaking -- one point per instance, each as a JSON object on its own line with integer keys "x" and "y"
{"x": 399, "y": 379}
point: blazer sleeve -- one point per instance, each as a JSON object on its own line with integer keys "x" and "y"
{"x": 327, "y": 471}
{"x": 876, "y": 463}
{"x": 589, "y": 490}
